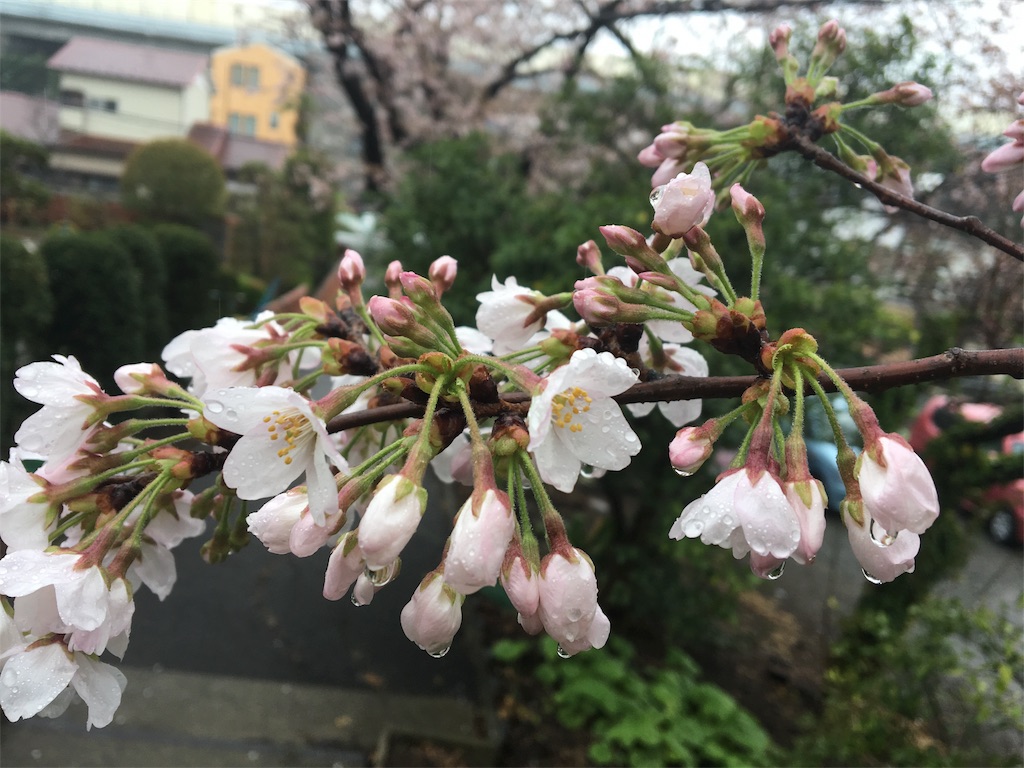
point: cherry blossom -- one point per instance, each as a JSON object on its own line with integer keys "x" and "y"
{"x": 882, "y": 558}
{"x": 678, "y": 360}
{"x": 684, "y": 202}
{"x": 688, "y": 450}
{"x": 507, "y": 314}
{"x": 568, "y": 601}
{"x": 433, "y": 616}
{"x": 282, "y": 437}
{"x": 22, "y": 512}
{"x": 42, "y": 680}
{"x": 574, "y": 421}
{"x": 67, "y": 393}
{"x": 390, "y": 520}
{"x": 481, "y": 534}
{"x": 897, "y": 488}
{"x": 742, "y": 513}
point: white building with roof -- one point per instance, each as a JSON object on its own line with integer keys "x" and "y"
{"x": 127, "y": 92}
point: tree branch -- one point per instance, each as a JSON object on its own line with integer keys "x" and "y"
{"x": 970, "y": 224}
{"x": 953, "y": 363}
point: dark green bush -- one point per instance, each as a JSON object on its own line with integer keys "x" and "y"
{"x": 144, "y": 250}
{"x": 192, "y": 265}
{"x": 172, "y": 180}
{"x": 97, "y": 302}
{"x": 26, "y": 308}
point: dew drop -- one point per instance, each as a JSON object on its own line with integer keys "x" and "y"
{"x": 683, "y": 473}
{"x": 231, "y": 413}
{"x": 776, "y": 574}
{"x": 727, "y": 521}
{"x": 380, "y": 577}
{"x": 562, "y": 653}
{"x": 871, "y": 579}
{"x": 214, "y": 407}
{"x": 605, "y": 429}
{"x": 693, "y": 528}
{"x": 355, "y": 601}
{"x": 439, "y": 653}
{"x": 879, "y": 536}
{"x": 656, "y": 194}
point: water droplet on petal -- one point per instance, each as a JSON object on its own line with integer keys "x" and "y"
{"x": 231, "y": 413}
{"x": 438, "y": 654}
{"x": 382, "y": 576}
{"x": 214, "y": 407}
{"x": 684, "y": 473}
{"x": 776, "y": 574}
{"x": 562, "y": 653}
{"x": 355, "y": 601}
{"x": 870, "y": 578}
{"x": 879, "y": 536}
{"x": 693, "y": 528}
{"x": 656, "y": 194}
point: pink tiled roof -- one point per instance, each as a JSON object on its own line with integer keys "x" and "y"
{"x": 29, "y": 117}
{"x": 126, "y": 61}
{"x": 233, "y": 151}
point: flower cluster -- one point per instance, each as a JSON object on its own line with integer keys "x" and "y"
{"x": 1010, "y": 156}
{"x": 329, "y": 417}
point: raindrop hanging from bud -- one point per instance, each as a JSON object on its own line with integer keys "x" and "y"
{"x": 870, "y": 578}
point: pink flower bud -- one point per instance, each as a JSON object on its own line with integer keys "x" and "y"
{"x": 140, "y": 378}
{"x": 746, "y": 206}
{"x": 883, "y": 559}
{"x": 390, "y": 520}
{"x": 911, "y": 94}
{"x": 344, "y": 567}
{"x": 568, "y": 595}
{"x": 417, "y": 288}
{"x": 1008, "y": 155}
{"x": 588, "y": 255}
{"x": 596, "y": 636}
{"x": 393, "y": 316}
{"x": 351, "y": 271}
{"x": 779, "y": 41}
{"x": 274, "y": 521}
{"x": 442, "y": 273}
{"x": 896, "y": 486}
{"x": 808, "y": 501}
{"x": 522, "y": 585}
{"x": 392, "y": 279}
{"x": 689, "y": 450}
{"x": 307, "y": 537}
{"x": 479, "y": 538}
{"x": 683, "y": 203}
{"x": 433, "y": 615}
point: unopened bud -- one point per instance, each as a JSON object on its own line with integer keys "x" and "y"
{"x": 351, "y": 271}
{"x": 442, "y": 273}
{"x": 392, "y": 279}
{"x": 689, "y": 449}
{"x": 588, "y": 255}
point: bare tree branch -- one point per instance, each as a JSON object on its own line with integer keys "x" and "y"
{"x": 953, "y": 363}
{"x": 972, "y": 225}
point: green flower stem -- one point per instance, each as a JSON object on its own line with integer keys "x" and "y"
{"x": 69, "y": 522}
{"x": 744, "y": 450}
{"x": 345, "y": 396}
{"x": 869, "y": 144}
{"x": 846, "y": 459}
{"x": 148, "y": 510}
{"x": 147, "y": 447}
{"x": 526, "y": 535}
{"x": 467, "y": 410}
{"x": 547, "y": 508}
{"x": 383, "y": 458}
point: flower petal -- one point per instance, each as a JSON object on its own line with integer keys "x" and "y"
{"x": 100, "y": 686}
{"x": 33, "y": 679}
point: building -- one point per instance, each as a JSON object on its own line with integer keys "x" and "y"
{"x": 256, "y": 92}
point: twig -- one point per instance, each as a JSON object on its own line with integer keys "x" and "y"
{"x": 970, "y": 224}
{"x": 954, "y": 363}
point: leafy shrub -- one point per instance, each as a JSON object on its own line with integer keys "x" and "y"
{"x": 645, "y": 715}
{"x": 190, "y": 259}
{"x": 26, "y": 308}
{"x": 172, "y": 180}
{"x": 938, "y": 692}
{"x": 144, "y": 250}
{"x": 97, "y": 302}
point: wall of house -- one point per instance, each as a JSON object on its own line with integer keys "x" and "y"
{"x": 130, "y": 111}
{"x": 264, "y": 106}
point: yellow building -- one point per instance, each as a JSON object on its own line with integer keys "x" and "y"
{"x": 256, "y": 92}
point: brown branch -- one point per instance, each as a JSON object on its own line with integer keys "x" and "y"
{"x": 951, "y": 364}
{"x": 970, "y": 224}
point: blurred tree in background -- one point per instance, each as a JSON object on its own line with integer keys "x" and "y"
{"x": 172, "y": 180}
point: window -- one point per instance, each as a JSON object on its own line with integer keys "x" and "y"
{"x": 273, "y": 119}
{"x": 244, "y": 125}
{"x": 72, "y": 98}
{"x": 104, "y": 105}
{"x": 246, "y": 76}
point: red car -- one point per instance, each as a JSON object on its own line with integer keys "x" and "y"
{"x": 1006, "y": 520}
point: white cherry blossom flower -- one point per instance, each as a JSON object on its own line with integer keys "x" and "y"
{"x": 744, "y": 515}
{"x": 58, "y": 429}
{"x": 22, "y": 520}
{"x": 504, "y": 314}
{"x": 679, "y": 360}
{"x": 42, "y": 680}
{"x": 574, "y": 421}
{"x": 897, "y": 487}
{"x": 884, "y": 560}
{"x": 390, "y": 520}
{"x": 282, "y": 437}
{"x": 568, "y": 601}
